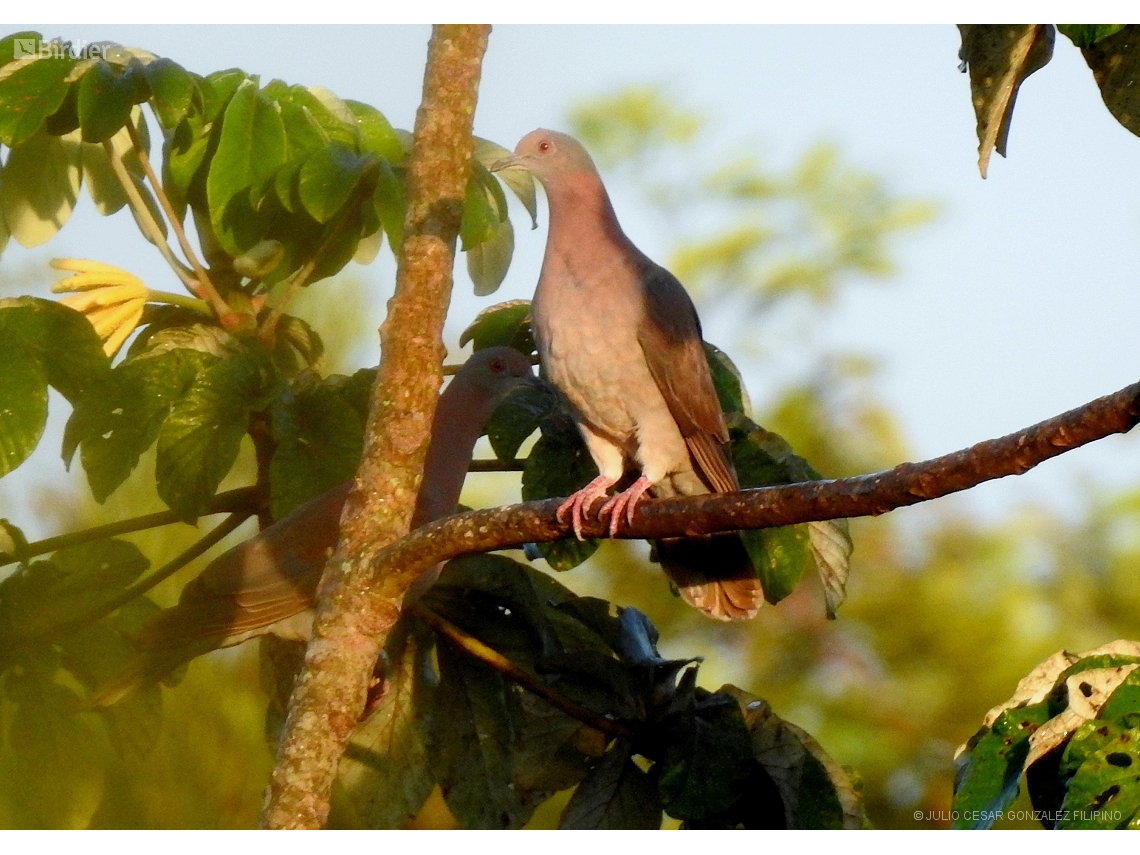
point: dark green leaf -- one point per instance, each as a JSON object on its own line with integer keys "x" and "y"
{"x": 172, "y": 91}
{"x": 106, "y": 95}
{"x": 476, "y": 723}
{"x": 250, "y": 150}
{"x": 559, "y": 465}
{"x": 62, "y": 594}
{"x": 727, "y": 381}
{"x": 29, "y": 95}
{"x": 780, "y": 556}
{"x": 1125, "y": 699}
{"x": 385, "y": 772}
{"x": 554, "y": 751}
{"x": 66, "y": 118}
{"x": 483, "y": 209}
{"x": 506, "y": 324}
{"x": 319, "y": 439}
{"x": 988, "y": 771}
{"x": 517, "y": 417}
{"x": 616, "y": 794}
{"x": 199, "y": 440}
{"x": 1104, "y": 790}
{"x": 708, "y": 760}
{"x": 1115, "y": 64}
{"x": 117, "y": 425}
{"x": 327, "y": 180}
{"x": 23, "y": 406}
{"x": 816, "y": 793}
{"x": 376, "y": 134}
{"x": 1087, "y": 35}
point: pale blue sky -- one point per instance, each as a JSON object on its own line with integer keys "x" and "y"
{"x": 1019, "y": 302}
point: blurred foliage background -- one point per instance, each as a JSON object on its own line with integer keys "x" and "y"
{"x": 945, "y": 612}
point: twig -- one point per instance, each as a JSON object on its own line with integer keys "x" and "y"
{"x": 230, "y": 501}
{"x": 209, "y": 292}
{"x": 496, "y": 466}
{"x": 493, "y": 659}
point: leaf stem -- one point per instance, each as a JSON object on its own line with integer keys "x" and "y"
{"x": 205, "y": 287}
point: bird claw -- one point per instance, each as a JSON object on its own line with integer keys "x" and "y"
{"x": 579, "y": 503}
{"x": 624, "y": 501}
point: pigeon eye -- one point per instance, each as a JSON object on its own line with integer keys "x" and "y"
{"x": 497, "y": 365}
{"x": 544, "y": 146}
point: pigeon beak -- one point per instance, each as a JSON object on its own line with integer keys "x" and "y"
{"x": 510, "y": 162}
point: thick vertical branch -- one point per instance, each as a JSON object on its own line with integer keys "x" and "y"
{"x": 353, "y": 620}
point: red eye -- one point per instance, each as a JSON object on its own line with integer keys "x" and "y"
{"x": 544, "y": 146}
{"x": 497, "y": 365}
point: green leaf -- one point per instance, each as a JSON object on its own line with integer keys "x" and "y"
{"x": 199, "y": 440}
{"x": 1087, "y": 35}
{"x": 385, "y": 773}
{"x": 29, "y": 95}
{"x": 41, "y": 183}
{"x": 991, "y": 766}
{"x": 390, "y": 201}
{"x": 519, "y": 180}
{"x": 554, "y": 751}
{"x": 727, "y": 381}
{"x": 106, "y": 95}
{"x": 172, "y": 91}
{"x": 488, "y": 262}
{"x": 707, "y": 763}
{"x": 41, "y": 343}
{"x": 812, "y": 790}
{"x": 57, "y": 757}
{"x": 616, "y": 794}
{"x": 475, "y": 724}
{"x": 23, "y": 406}
{"x": 376, "y": 134}
{"x": 506, "y": 324}
{"x": 1104, "y": 791}
{"x": 250, "y": 150}
{"x": 559, "y": 465}
{"x": 517, "y": 417}
{"x": 8, "y": 45}
{"x": 319, "y": 438}
{"x": 484, "y": 209}
{"x": 326, "y": 181}
{"x": 117, "y": 425}
{"x": 1125, "y": 699}
{"x": 60, "y": 595}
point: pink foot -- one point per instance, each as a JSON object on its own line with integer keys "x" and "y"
{"x": 580, "y": 502}
{"x": 624, "y": 501}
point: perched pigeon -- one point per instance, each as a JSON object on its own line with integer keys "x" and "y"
{"x": 267, "y": 584}
{"x": 619, "y": 336}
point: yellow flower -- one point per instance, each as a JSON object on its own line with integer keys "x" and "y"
{"x": 111, "y": 298}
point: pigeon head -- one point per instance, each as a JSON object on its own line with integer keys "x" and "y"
{"x": 549, "y": 154}
{"x": 493, "y": 371}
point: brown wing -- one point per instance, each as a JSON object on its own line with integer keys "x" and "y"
{"x": 670, "y": 338}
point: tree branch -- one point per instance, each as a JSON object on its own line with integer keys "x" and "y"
{"x": 355, "y": 615}
{"x": 766, "y": 507}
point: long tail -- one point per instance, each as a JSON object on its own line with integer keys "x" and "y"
{"x": 713, "y": 573}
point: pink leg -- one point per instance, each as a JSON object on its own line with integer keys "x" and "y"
{"x": 624, "y": 501}
{"x": 580, "y": 502}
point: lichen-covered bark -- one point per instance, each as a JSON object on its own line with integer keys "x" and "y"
{"x": 357, "y": 611}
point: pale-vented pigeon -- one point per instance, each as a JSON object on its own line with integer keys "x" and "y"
{"x": 619, "y": 336}
{"x": 267, "y": 584}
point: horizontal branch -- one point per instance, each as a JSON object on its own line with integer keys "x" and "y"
{"x": 765, "y": 507}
